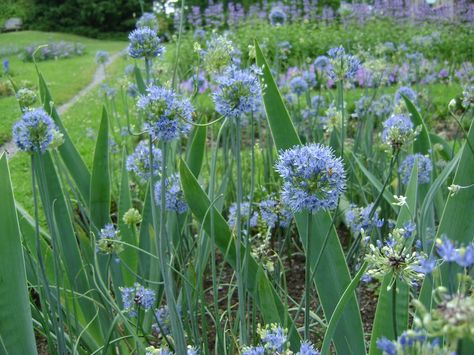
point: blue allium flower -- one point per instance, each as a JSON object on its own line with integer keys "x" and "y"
{"x": 424, "y": 168}
{"x": 298, "y": 85}
{"x": 245, "y": 210}
{"x": 307, "y": 348}
{"x": 166, "y": 115}
{"x": 137, "y": 297}
{"x": 397, "y": 130}
{"x": 163, "y": 321}
{"x": 34, "y": 132}
{"x": 144, "y": 43}
{"x": 447, "y": 250}
{"x": 382, "y": 107}
{"x": 322, "y": 63}
{"x": 256, "y": 350}
{"x": 343, "y": 65}
{"x": 26, "y": 98}
{"x": 407, "y": 92}
{"x": 101, "y": 57}
{"x": 174, "y": 196}
{"x": 6, "y": 66}
{"x": 409, "y": 338}
{"x": 148, "y": 20}
{"x": 313, "y": 178}
{"x": 107, "y": 237}
{"x": 239, "y": 92}
{"x": 277, "y": 16}
{"x": 274, "y": 214}
{"x": 358, "y": 218}
{"x": 465, "y": 257}
{"x": 387, "y": 346}
{"x": 139, "y": 161}
{"x": 274, "y": 338}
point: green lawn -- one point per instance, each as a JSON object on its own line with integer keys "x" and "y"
{"x": 65, "y": 77}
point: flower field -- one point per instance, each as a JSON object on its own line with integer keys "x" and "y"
{"x": 246, "y": 178}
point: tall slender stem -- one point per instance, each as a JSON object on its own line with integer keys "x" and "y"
{"x": 240, "y": 280}
{"x": 307, "y": 277}
{"x": 394, "y": 308}
{"x": 340, "y": 89}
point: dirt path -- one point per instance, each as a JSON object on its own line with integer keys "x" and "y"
{"x": 99, "y": 76}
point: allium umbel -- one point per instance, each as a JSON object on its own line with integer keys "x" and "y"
{"x": 313, "y": 177}
{"x": 144, "y": 43}
{"x": 239, "y": 92}
{"x": 34, "y": 132}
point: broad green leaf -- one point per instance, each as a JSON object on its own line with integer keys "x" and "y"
{"x": 384, "y": 322}
{"x": 71, "y": 157}
{"x": 201, "y": 207}
{"x": 197, "y": 146}
{"x": 332, "y": 269}
{"x": 422, "y": 143}
{"x": 446, "y": 152}
{"x": 16, "y": 324}
{"x": 100, "y": 180}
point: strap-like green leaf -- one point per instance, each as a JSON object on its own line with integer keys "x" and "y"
{"x": 16, "y": 325}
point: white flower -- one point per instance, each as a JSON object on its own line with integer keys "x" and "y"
{"x": 401, "y": 200}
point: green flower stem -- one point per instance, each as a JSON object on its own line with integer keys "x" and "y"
{"x": 307, "y": 278}
{"x": 340, "y": 96}
{"x": 240, "y": 280}
{"x": 394, "y": 308}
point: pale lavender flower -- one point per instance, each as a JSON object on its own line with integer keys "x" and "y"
{"x": 144, "y": 43}
{"x": 424, "y": 166}
{"x": 139, "y": 161}
{"x": 34, "y": 132}
{"x": 137, "y": 297}
{"x": 174, "y": 196}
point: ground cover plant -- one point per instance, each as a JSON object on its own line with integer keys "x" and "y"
{"x": 232, "y": 192}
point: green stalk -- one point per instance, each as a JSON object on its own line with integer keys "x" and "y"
{"x": 340, "y": 94}
{"x": 394, "y": 308}
{"x": 147, "y": 70}
{"x": 240, "y": 281}
{"x": 307, "y": 278}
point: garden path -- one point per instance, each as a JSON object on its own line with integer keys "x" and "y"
{"x": 10, "y": 147}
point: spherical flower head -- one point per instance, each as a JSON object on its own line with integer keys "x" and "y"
{"x": 163, "y": 321}
{"x": 144, "y": 43}
{"x": 322, "y": 63}
{"x": 274, "y": 214}
{"x": 239, "y": 92}
{"x": 107, "y": 240}
{"x": 148, "y": 20}
{"x": 313, "y": 178}
{"x": 137, "y": 297}
{"x": 274, "y": 337}
{"x": 174, "y": 196}
{"x": 397, "y": 131}
{"x": 139, "y": 161}
{"x": 277, "y": 16}
{"x": 424, "y": 168}
{"x": 343, "y": 66}
{"x": 26, "y": 97}
{"x": 34, "y": 132}
{"x": 307, "y": 348}
{"x": 101, "y": 57}
{"x": 358, "y": 218}
{"x": 166, "y": 115}
{"x": 298, "y": 85}
{"x": 220, "y": 53}
{"x": 132, "y": 217}
{"x": 245, "y": 211}
{"x": 392, "y": 257}
{"x": 407, "y": 92}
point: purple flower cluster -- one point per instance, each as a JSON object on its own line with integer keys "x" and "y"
{"x": 144, "y": 43}
{"x": 34, "y": 132}
{"x": 174, "y": 196}
{"x": 424, "y": 168}
{"x": 343, "y": 65}
{"x": 53, "y": 51}
{"x": 245, "y": 212}
{"x": 239, "y": 92}
{"x": 358, "y": 218}
{"x": 313, "y": 178}
{"x": 463, "y": 256}
{"x": 277, "y": 16}
{"x": 166, "y": 115}
{"x": 397, "y": 130}
{"x": 274, "y": 214}
{"x": 137, "y": 297}
{"x": 139, "y": 161}
{"x": 298, "y": 85}
{"x": 101, "y": 57}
